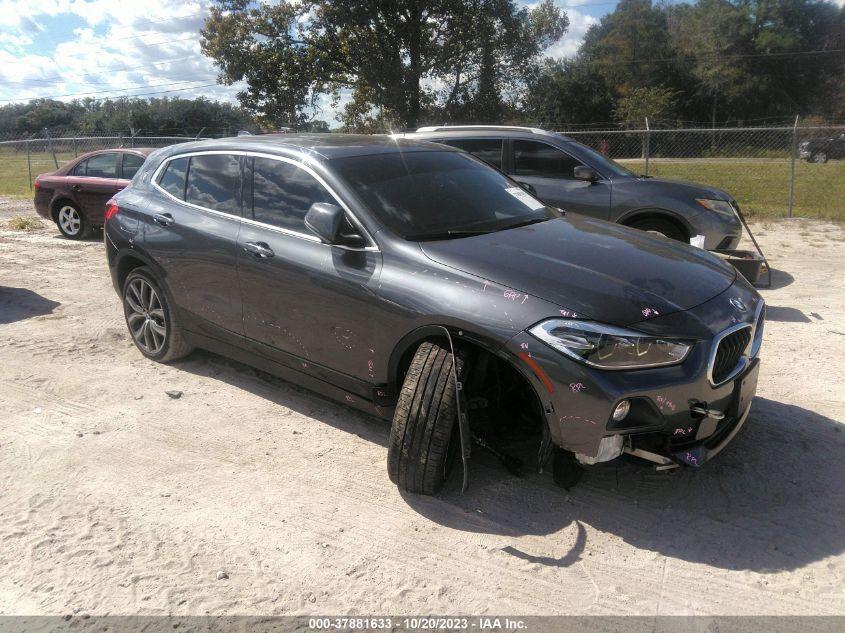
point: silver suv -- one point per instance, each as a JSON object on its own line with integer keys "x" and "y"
{"x": 566, "y": 174}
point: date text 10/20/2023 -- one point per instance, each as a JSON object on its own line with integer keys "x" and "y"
{"x": 424, "y": 623}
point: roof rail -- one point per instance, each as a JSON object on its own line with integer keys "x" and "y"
{"x": 458, "y": 128}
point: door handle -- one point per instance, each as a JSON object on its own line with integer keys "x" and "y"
{"x": 163, "y": 219}
{"x": 76, "y": 187}
{"x": 259, "y": 249}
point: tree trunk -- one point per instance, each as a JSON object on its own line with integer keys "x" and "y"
{"x": 414, "y": 73}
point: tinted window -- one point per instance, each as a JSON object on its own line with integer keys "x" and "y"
{"x": 420, "y": 195}
{"x": 131, "y": 164}
{"x": 79, "y": 170}
{"x": 172, "y": 180}
{"x": 282, "y": 194}
{"x": 487, "y": 149}
{"x": 214, "y": 182}
{"x": 531, "y": 158}
{"x": 102, "y": 166}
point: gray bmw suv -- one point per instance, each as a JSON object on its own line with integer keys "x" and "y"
{"x": 414, "y": 282}
{"x": 574, "y": 177}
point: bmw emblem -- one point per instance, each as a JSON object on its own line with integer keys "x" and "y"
{"x": 738, "y": 304}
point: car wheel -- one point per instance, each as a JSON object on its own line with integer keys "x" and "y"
{"x": 151, "y": 321}
{"x": 819, "y": 157}
{"x": 424, "y": 437}
{"x": 71, "y": 221}
{"x": 666, "y": 228}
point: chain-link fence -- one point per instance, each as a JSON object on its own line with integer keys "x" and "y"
{"x": 21, "y": 160}
{"x": 772, "y": 171}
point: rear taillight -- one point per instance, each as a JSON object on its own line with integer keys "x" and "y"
{"x": 37, "y": 184}
{"x": 111, "y": 209}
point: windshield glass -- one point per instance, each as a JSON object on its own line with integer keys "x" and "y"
{"x": 439, "y": 195}
{"x": 602, "y": 162}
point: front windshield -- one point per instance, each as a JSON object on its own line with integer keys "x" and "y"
{"x": 602, "y": 162}
{"x": 439, "y": 195}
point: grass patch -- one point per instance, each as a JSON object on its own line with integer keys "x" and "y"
{"x": 762, "y": 186}
{"x": 25, "y": 223}
{"x": 14, "y": 172}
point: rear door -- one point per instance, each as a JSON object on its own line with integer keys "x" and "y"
{"x": 550, "y": 171}
{"x": 191, "y": 230}
{"x": 94, "y": 181}
{"x": 490, "y": 150}
{"x": 306, "y": 304}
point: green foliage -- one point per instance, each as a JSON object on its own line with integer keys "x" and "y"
{"x": 392, "y": 57}
{"x": 147, "y": 116}
{"x": 641, "y": 103}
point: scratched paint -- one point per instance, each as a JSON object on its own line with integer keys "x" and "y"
{"x": 575, "y": 418}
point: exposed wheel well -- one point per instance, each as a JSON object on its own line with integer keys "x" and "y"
{"x": 54, "y": 211}
{"x": 641, "y": 216}
{"x": 503, "y": 404}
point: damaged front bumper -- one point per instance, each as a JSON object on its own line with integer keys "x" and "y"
{"x": 677, "y": 415}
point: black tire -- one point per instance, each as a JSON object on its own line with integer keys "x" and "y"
{"x": 662, "y": 226}
{"x": 71, "y": 221}
{"x": 169, "y": 346}
{"x": 424, "y": 437}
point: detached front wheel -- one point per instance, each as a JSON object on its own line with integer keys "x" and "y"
{"x": 424, "y": 438}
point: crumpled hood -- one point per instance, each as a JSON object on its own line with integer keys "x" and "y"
{"x": 599, "y": 270}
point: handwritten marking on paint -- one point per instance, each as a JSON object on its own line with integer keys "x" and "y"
{"x": 568, "y": 313}
{"x": 513, "y": 296}
{"x": 563, "y": 418}
{"x": 650, "y": 312}
{"x": 370, "y": 365}
{"x": 349, "y": 398}
{"x": 576, "y": 387}
{"x": 664, "y": 403}
{"x": 683, "y": 431}
{"x": 524, "y": 345}
{"x": 692, "y": 459}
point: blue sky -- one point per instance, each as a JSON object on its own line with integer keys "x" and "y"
{"x": 78, "y": 48}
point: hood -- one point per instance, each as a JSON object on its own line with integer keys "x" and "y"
{"x": 677, "y": 189}
{"x": 599, "y": 270}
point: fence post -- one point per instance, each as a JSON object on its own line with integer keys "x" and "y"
{"x": 647, "y": 144}
{"x": 792, "y": 153}
{"x": 52, "y": 149}
{"x": 75, "y": 153}
{"x": 29, "y": 161}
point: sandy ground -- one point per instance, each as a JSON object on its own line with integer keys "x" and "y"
{"x": 115, "y": 498}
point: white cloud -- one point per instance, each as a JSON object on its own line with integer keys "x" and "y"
{"x": 579, "y": 23}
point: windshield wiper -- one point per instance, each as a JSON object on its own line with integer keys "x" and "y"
{"x": 444, "y": 235}
{"x": 523, "y": 223}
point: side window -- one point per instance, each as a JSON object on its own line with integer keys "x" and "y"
{"x": 79, "y": 170}
{"x": 487, "y": 149}
{"x": 282, "y": 193}
{"x": 131, "y": 164}
{"x": 172, "y": 179}
{"x": 102, "y": 166}
{"x": 531, "y": 158}
{"x": 214, "y": 182}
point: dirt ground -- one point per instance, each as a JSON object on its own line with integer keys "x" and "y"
{"x": 116, "y": 498}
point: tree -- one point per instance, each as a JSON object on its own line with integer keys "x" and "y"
{"x": 568, "y": 92}
{"x": 391, "y": 56}
{"x": 641, "y": 103}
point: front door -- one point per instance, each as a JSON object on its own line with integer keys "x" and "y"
{"x": 191, "y": 229}
{"x": 305, "y": 303}
{"x": 550, "y": 171}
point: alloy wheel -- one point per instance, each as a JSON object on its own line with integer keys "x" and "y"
{"x": 70, "y": 220}
{"x": 145, "y": 316}
{"x": 820, "y": 157}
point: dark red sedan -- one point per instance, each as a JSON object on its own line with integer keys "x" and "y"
{"x": 75, "y": 195}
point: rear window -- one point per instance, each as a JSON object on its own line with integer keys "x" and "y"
{"x": 172, "y": 179}
{"x": 131, "y": 164}
{"x": 214, "y": 182}
{"x": 487, "y": 149}
{"x": 531, "y": 158}
{"x": 101, "y": 166}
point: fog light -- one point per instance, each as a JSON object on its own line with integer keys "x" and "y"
{"x": 621, "y": 411}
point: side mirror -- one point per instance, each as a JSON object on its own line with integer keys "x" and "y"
{"x": 582, "y": 172}
{"x": 325, "y": 220}
{"x": 529, "y": 188}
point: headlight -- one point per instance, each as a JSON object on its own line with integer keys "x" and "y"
{"x": 609, "y": 347}
{"x": 719, "y": 206}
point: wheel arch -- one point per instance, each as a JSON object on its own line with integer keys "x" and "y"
{"x": 58, "y": 202}
{"x": 647, "y": 213}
